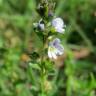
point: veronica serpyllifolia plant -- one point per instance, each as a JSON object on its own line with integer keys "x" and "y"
{"x": 48, "y": 25}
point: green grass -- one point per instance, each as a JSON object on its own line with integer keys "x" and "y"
{"x": 18, "y": 42}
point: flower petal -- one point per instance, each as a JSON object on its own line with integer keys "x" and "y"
{"x": 54, "y": 55}
{"x": 41, "y": 26}
{"x": 59, "y": 47}
{"x": 56, "y": 41}
{"x": 49, "y": 54}
{"x": 60, "y": 30}
{"x": 57, "y": 22}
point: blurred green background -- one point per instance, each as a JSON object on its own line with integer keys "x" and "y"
{"x": 77, "y": 75}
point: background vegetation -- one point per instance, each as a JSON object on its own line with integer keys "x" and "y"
{"x": 75, "y": 71}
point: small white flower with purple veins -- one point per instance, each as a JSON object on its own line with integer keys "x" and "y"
{"x": 55, "y": 49}
{"x": 58, "y": 25}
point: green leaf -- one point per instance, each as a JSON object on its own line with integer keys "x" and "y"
{"x": 34, "y": 66}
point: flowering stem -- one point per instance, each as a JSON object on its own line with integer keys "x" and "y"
{"x": 43, "y": 71}
{"x": 42, "y": 82}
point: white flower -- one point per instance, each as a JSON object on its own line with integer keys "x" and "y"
{"x": 55, "y": 49}
{"x": 58, "y": 24}
{"x": 40, "y": 25}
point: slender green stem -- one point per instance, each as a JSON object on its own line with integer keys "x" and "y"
{"x": 43, "y": 73}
